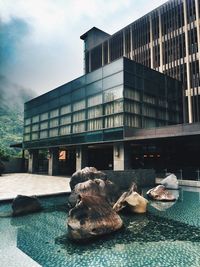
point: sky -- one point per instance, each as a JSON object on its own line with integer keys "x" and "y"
{"x": 40, "y": 46}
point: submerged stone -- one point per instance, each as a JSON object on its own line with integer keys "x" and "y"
{"x": 25, "y": 204}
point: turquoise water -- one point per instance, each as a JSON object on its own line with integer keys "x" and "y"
{"x": 159, "y": 238}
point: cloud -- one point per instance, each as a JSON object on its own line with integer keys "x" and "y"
{"x": 42, "y": 48}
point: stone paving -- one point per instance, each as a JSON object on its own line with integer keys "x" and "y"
{"x": 15, "y": 184}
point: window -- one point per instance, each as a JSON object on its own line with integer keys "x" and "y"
{"x": 132, "y": 121}
{"x": 34, "y": 136}
{"x": 112, "y": 94}
{"x": 54, "y": 113}
{"x": 26, "y": 137}
{"x": 79, "y": 127}
{"x": 27, "y": 121}
{"x": 64, "y": 130}
{"x": 43, "y": 134}
{"x": 79, "y": 105}
{"x": 148, "y": 111}
{"x": 44, "y": 116}
{"x": 54, "y": 123}
{"x": 114, "y": 107}
{"x": 94, "y": 124}
{"x": 65, "y": 110}
{"x": 35, "y": 119}
{"x": 95, "y": 100}
{"x": 53, "y": 132}
{"x": 35, "y": 127}
{"x": 149, "y": 99}
{"x": 114, "y": 121}
{"x": 132, "y": 107}
{"x": 79, "y": 116}
{"x": 27, "y": 129}
{"x": 95, "y": 112}
{"x": 43, "y": 125}
{"x": 65, "y": 120}
{"x": 132, "y": 94}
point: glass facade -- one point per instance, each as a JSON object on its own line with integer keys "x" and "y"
{"x": 120, "y": 95}
{"x": 168, "y": 40}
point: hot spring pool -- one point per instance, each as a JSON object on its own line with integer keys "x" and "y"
{"x": 159, "y": 238}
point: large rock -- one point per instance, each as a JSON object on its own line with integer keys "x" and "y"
{"x": 160, "y": 193}
{"x": 96, "y": 187}
{"x": 88, "y": 173}
{"x": 131, "y": 199}
{"x": 170, "y": 182}
{"x": 91, "y": 217}
{"x": 24, "y": 204}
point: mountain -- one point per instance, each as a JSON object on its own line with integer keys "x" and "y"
{"x": 12, "y": 98}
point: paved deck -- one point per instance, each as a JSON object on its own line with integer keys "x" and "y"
{"x": 15, "y": 184}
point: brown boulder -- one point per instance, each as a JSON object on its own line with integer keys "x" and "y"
{"x": 88, "y": 173}
{"x": 25, "y": 204}
{"x": 91, "y": 217}
{"x": 160, "y": 193}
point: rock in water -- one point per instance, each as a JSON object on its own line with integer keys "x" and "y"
{"x": 170, "y": 182}
{"x": 24, "y": 204}
{"x": 160, "y": 193}
{"x": 91, "y": 217}
{"x": 96, "y": 187}
{"x": 88, "y": 173}
{"x": 131, "y": 199}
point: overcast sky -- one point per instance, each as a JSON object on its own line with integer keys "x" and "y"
{"x": 40, "y": 46}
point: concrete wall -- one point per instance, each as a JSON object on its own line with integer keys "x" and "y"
{"x": 142, "y": 177}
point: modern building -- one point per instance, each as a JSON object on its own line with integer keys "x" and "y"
{"x": 84, "y": 122}
{"x": 167, "y": 39}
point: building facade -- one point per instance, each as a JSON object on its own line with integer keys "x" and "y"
{"x": 88, "y": 118}
{"x": 167, "y": 39}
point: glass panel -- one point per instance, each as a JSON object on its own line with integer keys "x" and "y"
{"x": 113, "y": 80}
{"x": 35, "y": 119}
{"x": 114, "y": 121}
{"x": 27, "y": 137}
{"x": 95, "y": 112}
{"x": 149, "y": 99}
{"x": 27, "y": 121}
{"x": 114, "y": 107}
{"x": 27, "y": 129}
{"x": 113, "y": 94}
{"x": 132, "y": 121}
{"x": 65, "y": 110}
{"x": 79, "y": 105}
{"x": 43, "y": 125}
{"x": 148, "y": 123}
{"x": 132, "y": 94}
{"x": 65, "y": 120}
{"x": 64, "y": 130}
{"x": 79, "y": 127}
{"x": 35, "y": 127}
{"x": 34, "y": 136}
{"x": 79, "y": 116}
{"x": 53, "y": 132}
{"x": 54, "y": 113}
{"x": 132, "y": 107}
{"x": 43, "y": 134}
{"x": 44, "y": 116}
{"x": 95, "y": 100}
{"x": 54, "y": 123}
{"x": 95, "y": 124}
{"x": 148, "y": 111}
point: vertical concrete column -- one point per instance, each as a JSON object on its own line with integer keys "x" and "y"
{"x": 33, "y": 161}
{"x": 187, "y": 63}
{"x": 151, "y": 41}
{"x": 160, "y": 42}
{"x": 131, "y": 37}
{"x": 81, "y": 157}
{"x": 121, "y": 157}
{"x": 53, "y": 161}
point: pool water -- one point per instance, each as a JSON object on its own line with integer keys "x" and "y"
{"x": 162, "y": 237}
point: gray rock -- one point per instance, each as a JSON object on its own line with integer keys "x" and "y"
{"x": 170, "y": 182}
{"x": 24, "y": 204}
